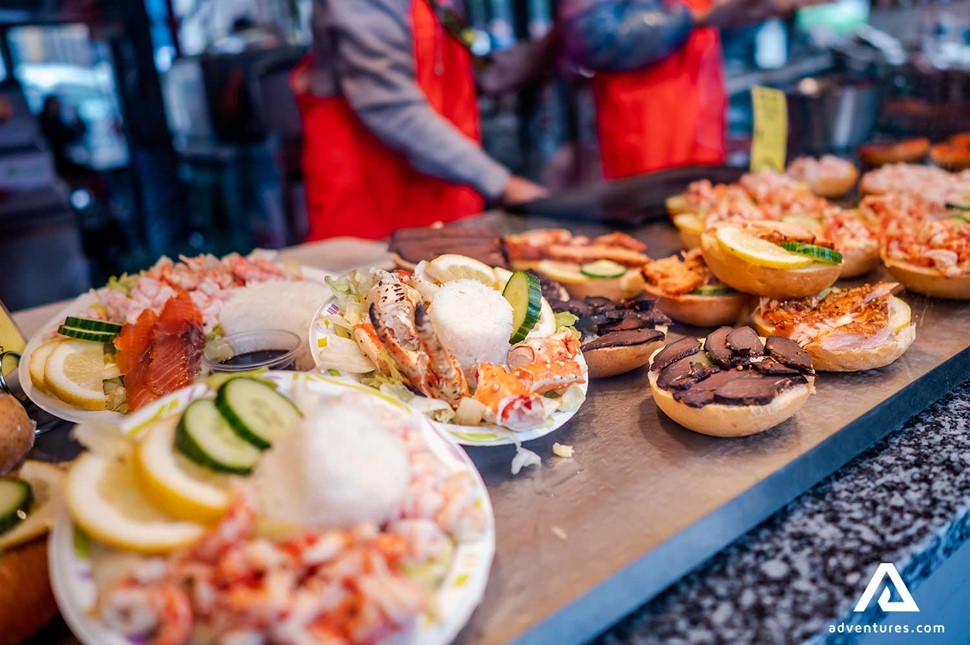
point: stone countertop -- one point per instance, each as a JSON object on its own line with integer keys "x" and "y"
{"x": 906, "y": 501}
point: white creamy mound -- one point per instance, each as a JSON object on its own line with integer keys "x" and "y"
{"x": 334, "y": 469}
{"x": 277, "y": 304}
{"x": 473, "y": 321}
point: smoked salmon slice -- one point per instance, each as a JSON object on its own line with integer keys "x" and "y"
{"x": 161, "y": 354}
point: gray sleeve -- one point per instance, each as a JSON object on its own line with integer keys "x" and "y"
{"x": 610, "y": 35}
{"x": 376, "y": 70}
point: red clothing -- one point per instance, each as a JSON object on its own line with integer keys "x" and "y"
{"x": 358, "y": 186}
{"x": 669, "y": 114}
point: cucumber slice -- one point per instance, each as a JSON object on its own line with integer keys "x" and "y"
{"x": 817, "y": 253}
{"x": 205, "y": 437}
{"x": 82, "y": 334}
{"x": 92, "y": 325}
{"x": 603, "y": 269}
{"x": 713, "y": 291}
{"x": 15, "y": 498}
{"x": 255, "y": 410}
{"x": 524, "y": 293}
{"x": 960, "y": 218}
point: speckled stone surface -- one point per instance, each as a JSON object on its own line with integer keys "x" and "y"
{"x": 905, "y": 501}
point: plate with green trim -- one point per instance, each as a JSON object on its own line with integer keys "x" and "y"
{"x": 48, "y": 330}
{"x": 78, "y": 563}
{"x": 323, "y": 338}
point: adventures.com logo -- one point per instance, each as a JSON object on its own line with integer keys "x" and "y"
{"x": 887, "y": 578}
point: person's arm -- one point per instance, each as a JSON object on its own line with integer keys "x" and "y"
{"x": 617, "y": 35}
{"x": 376, "y": 70}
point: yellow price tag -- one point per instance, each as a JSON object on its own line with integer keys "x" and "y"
{"x": 769, "y": 145}
{"x": 11, "y": 340}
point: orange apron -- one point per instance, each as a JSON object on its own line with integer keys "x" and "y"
{"x": 358, "y": 186}
{"x": 669, "y": 114}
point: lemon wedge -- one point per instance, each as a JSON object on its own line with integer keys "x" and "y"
{"x": 104, "y": 497}
{"x": 900, "y": 314}
{"x": 73, "y": 373}
{"x": 564, "y": 272}
{"x": 38, "y": 363}
{"x": 174, "y": 483}
{"x": 45, "y": 482}
{"x": 449, "y": 267}
{"x": 757, "y": 251}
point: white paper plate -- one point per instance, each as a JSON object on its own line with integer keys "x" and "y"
{"x": 65, "y": 410}
{"x": 460, "y": 592}
{"x": 483, "y": 435}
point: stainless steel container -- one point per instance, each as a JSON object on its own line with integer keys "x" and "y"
{"x": 830, "y": 115}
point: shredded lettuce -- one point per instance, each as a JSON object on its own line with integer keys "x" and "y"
{"x": 123, "y": 283}
{"x": 566, "y": 319}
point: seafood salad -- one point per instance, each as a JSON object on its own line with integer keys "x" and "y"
{"x": 141, "y": 336}
{"x": 343, "y": 529}
{"x": 456, "y": 339}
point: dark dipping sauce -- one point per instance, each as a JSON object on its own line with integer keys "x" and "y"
{"x": 733, "y": 368}
{"x": 259, "y": 357}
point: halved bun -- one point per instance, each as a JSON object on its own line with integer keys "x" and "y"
{"x": 610, "y": 361}
{"x": 401, "y": 263}
{"x": 26, "y": 600}
{"x": 835, "y": 185}
{"x": 701, "y": 311}
{"x": 951, "y": 156}
{"x": 858, "y": 262}
{"x": 629, "y": 285}
{"x": 908, "y": 151}
{"x": 766, "y": 281}
{"x": 929, "y": 281}
{"x": 718, "y": 420}
{"x": 858, "y": 360}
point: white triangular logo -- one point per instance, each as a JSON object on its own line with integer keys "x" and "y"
{"x": 887, "y": 569}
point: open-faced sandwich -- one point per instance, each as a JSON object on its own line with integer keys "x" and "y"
{"x": 607, "y": 266}
{"x": 843, "y": 330}
{"x": 479, "y": 346}
{"x": 931, "y": 257}
{"x": 408, "y": 246}
{"x": 827, "y": 176}
{"x": 285, "y": 508}
{"x": 705, "y": 204}
{"x": 618, "y": 336}
{"x": 737, "y": 384}
{"x": 850, "y": 235}
{"x": 688, "y": 292}
{"x": 773, "y": 259}
{"x": 927, "y": 182}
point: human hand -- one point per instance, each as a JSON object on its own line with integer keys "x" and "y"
{"x": 519, "y": 191}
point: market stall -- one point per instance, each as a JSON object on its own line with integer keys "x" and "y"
{"x": 625, "y": 501}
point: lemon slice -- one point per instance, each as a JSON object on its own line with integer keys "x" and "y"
{"x": 73, "y": 373}
{"x": 449, "y": 267}
{"x": 38, "y": 362}
{"x": 564, "y": 272}
{"x": 46, "y": 481}
{"x": 900, "y": 315}
{"x": 104, "y": 497}
{"x": 689, "y": 222}
{"x": 175, "y": 484}
{"x": 807, "y": 222}
{"x": 758, "y": 251}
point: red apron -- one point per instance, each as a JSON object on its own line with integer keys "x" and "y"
{"x": 669, "y": 114}
{"x": 358, "y": 186}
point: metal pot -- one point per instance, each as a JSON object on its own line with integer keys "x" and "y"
{"x": 830, "y": 114}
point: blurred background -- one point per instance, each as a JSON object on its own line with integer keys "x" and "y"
{"x": 135, "y": 128}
